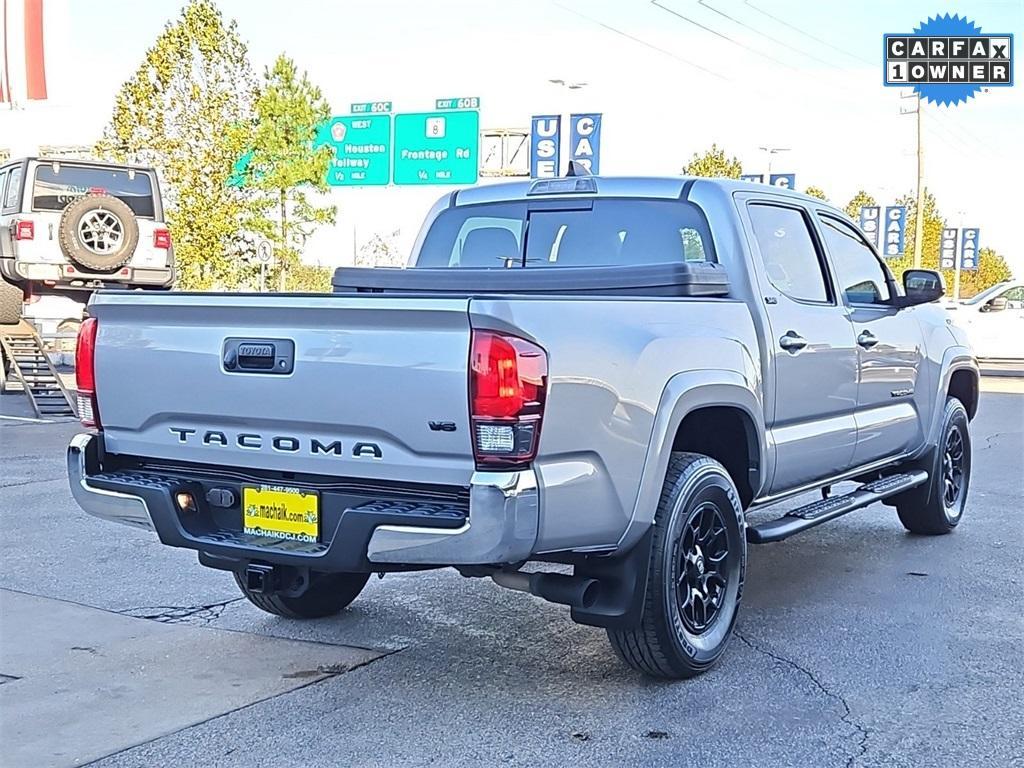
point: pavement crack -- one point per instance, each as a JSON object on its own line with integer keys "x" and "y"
{"x": 990, "y": 438}
{"x": 180, "y": 614}
{"x": 32, "y": 482}
{"x": 847, "y": 716}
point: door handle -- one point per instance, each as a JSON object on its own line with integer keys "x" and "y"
{"x": 867, "y": 339}
{"x": 793, "y": 342}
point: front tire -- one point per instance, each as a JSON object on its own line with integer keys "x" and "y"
{"x": 695, "y": 575}
{"x": 938, "y": 506}
{"x": 326, "y": 595}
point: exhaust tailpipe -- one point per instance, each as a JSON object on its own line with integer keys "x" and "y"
{"x": 574, "y": 591}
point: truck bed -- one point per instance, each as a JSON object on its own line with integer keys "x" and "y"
{"x": 373, "y": 371}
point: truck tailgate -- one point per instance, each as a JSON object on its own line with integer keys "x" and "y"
{"x": 368, "y": 377}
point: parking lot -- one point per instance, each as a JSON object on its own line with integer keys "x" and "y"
{"x": 857, "y": 645}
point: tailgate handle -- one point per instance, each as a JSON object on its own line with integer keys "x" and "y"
{"x": 274, "y": 356}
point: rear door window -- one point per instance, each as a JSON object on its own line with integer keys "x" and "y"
{"x": 586, "y": 233}
{"x": 791, "y": 259}
{"x": 58, "y": 185}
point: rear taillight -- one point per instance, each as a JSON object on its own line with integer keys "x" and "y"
{"x": 85, "y": 373}
{"x": 24, "y": 230}
{"x": 508, "y": 379}
{"x": 162, "y": 238}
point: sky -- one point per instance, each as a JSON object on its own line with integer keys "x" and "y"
{"x": 670, "y": 78}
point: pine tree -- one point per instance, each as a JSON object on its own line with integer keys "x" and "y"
{"x": 286, "y": 166}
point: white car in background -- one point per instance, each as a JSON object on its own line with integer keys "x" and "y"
{"x": 994, "y": 321}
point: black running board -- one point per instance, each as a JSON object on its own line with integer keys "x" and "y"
{"x": 822, "y": 511}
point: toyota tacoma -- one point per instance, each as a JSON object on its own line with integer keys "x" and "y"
{"x": 602, "y": 373}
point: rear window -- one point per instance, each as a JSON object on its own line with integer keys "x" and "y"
{"x": 535, "y": 234}
{"x": 55, "y": 190}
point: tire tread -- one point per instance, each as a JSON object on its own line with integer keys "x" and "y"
{"x": 642, "y": 647}
{"x": 11, "y": 300}
{"x": 921, "y": 511}
{"x": 333, "y": 594}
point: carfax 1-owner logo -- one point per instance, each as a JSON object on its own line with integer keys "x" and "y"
{"x": 948, "y": 59}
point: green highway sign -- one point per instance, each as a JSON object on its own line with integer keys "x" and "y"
{"x": 467, "y": 102}
{"x": 362, "y": 150}
{"x": 437, "y": 147}
{"x": 370, "y": 107}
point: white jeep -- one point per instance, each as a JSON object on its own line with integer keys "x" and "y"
{"x": 79, "y": 225}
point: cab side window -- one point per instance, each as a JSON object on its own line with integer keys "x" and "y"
{"x": 790, "y": 257}
{"x": 862, "y": 278}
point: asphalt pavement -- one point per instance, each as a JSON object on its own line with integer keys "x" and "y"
{"x": 857, "y": 645}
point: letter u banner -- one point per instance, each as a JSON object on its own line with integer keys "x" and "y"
{"x": 545, "y": 145}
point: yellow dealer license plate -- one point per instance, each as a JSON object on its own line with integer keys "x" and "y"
{"x": 281, "y": 512}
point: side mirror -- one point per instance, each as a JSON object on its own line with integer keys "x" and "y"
{"x": 921, "y": 286}
{"x": 998, "y": 304}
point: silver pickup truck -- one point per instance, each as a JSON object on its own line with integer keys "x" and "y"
{"x": 601, "y": 373}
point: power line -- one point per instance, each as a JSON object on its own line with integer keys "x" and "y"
{"x": 716, "y": 33}
{"x": 644, "y": 43}
{"x": 962, "y": 133}
{"x": 806, "y": 34}
{"x": 959, "y": 132}
{"x": 755, "y": 30}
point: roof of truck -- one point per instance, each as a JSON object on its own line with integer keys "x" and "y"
{"x": 668, "y": 187}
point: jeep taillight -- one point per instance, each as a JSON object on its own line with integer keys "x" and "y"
{"x": 24, "y": 230}
{"x": 508, "y": 379}
{"x": 85, "y": 373}
{"x": 162, "y": 238}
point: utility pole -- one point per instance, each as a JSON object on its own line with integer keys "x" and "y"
{"x": 919, "y": 206}
{"x": 959, "y": 255}
{"x": 772, "y": 151}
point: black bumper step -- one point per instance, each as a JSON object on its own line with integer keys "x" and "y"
{"x": 348, "y": 518}
{"x": 818, "y": 512}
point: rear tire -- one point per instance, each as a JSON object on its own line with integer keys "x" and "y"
{"x": 695, "y": 575}
{"x": 11, "y": 299}
{"x": 937, "y": 506}
{"x": 327, "y": 594}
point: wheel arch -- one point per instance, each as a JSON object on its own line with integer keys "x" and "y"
{"x": 959, "y": 377}
{"x": 964, "y": 386}
{"x": 689, "y": 404}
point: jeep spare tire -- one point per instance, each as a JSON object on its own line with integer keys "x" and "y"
{"x": 98, "y": 232}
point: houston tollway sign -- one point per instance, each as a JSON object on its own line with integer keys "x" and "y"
{"x": 441, "y": 147}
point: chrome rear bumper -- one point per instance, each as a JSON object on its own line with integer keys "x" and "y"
{"x": 501, "y": 526}
{"x": 106, "y": 505}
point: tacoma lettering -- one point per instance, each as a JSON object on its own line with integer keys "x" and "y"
{"x": 252, "y": 441}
